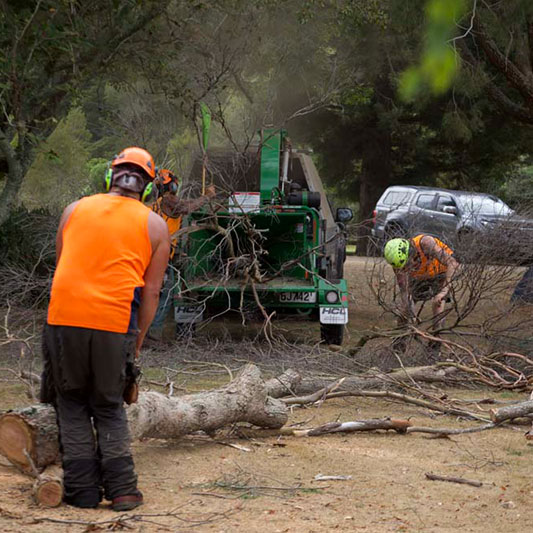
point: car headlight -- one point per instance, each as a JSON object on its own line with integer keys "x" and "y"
{"x": 332, "y": 297}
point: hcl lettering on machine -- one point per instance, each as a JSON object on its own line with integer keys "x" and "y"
{"x": 333, "y": 315}
{"x": 189, "y": 314}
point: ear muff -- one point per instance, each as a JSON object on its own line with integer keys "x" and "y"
{"x": 173, "y": 187}
{"x": 149, "y": 192}
{"x": 108, "y": 179}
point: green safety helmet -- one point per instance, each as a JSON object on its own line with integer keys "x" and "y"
{"x": 396, "y": 252}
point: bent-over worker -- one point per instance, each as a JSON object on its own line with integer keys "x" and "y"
{"x": 424, "y": 267}
{"x": 111, "y": 255}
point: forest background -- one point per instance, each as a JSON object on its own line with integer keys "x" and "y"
{"x": 433, "y": 92}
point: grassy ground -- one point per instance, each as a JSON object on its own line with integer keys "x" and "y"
{"x": 268, "y": 484}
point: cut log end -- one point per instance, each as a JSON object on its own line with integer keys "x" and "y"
{"x": 48, "y": 492}
{"x": 15, "y": 439}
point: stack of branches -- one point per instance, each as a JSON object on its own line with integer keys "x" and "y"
{"x": 27, "y": 256}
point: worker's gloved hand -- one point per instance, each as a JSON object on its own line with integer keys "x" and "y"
{"x": 443, "y": 296}
{"x": 131, "y": 391}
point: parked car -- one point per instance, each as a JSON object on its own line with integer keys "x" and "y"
{"x": 459, "y": 218}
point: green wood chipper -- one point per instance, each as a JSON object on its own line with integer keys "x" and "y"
{"x": 273, "y": 245}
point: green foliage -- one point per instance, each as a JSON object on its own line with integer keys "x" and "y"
{"x": 439, "y": 63}
{"x": 517, "y": 189}
{"x": 96, "y": 169}
{"x": 59, "y": 173}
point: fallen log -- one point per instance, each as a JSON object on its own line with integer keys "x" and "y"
{"x": 48, "y": 487}
{"x": 283, "y": 385}
{"x": 400, "y": 426}
{"x": 29, "y": 436}
{"x": 373, "y": 424}
{"x": 244, "y": 399}
{"x": 511, "y": 411}
{"x": 34, "y": 429}
{"x": 325, "y": 395}
{"x": 380, "y": 380}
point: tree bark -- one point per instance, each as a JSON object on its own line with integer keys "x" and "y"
{"x": 512, "y": 411}
{"x": 245, "y": 399}
{"x": 32, "y": 430}
{"x": 283, "y": 385}
{"x": 400, "y": 426}
{"x": 48, "y": 487}
{"x": 14, "y": 176}
{"x": 380, "y": 380}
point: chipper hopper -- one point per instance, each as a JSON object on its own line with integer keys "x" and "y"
{"x": 272, "y": 245}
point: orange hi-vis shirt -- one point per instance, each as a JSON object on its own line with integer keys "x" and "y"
{"x": 106, "y": 251}
{"x": 173, "y": 224}
{"x": 428, "y": 268}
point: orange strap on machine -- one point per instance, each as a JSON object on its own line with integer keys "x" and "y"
{"x": 428, "y": 268}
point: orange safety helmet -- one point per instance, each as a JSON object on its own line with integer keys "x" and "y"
{"x": 168, "y": 181}
{"x": 136, "y": 156}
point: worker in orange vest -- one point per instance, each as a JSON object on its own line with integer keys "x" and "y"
{"x": 424, "y": 267}
{"x": 111, "y": 256}
{"x": 171, "y": 208}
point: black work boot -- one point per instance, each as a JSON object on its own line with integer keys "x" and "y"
{"x": 127, "y": 502}
{"x": 119, "y": 478}
{"x": 81, "y": 482}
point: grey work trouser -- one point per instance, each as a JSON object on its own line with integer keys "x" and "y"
{"x": 88, "y": 372}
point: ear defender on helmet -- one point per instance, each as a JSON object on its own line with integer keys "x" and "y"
{"x": 173, "y": 187}
{"x": 108, "y": 179}
{"x": 149, "y": 193}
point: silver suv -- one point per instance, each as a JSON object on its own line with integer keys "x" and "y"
{"x": 454, "y": 216}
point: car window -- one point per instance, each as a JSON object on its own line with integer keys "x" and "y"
{"x": 397, "y": 198}
{"x": 484, "y": 205}
{"x": 425, "y": 201}
{"x": 445, "y": 200}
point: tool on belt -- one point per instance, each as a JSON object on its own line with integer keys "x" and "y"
{"x": 131, "y": 391}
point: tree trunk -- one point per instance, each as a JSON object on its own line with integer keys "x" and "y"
{"x": 245, "y": 399}
{"x": 283, "y": 385}
{"x": 30, "y": 435}
{"x": 512, "y": 411}
{"x": 380, "y": 380}
{"x": 376, "y": 168}
{"x": 15, "y": 160}
{"x": 48, "y": 487}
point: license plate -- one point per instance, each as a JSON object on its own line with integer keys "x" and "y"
{"x": 303, "y": 297}
{"x": 333, "y": 315}
{"x": 188, "y": 314}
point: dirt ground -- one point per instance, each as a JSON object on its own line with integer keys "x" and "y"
{"x": 202, "y": 484}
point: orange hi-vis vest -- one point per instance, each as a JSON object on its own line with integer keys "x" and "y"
{"x": 428, "y": 268}
{"x": 106, "y": 251}
{"x": 173, "y": 224}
